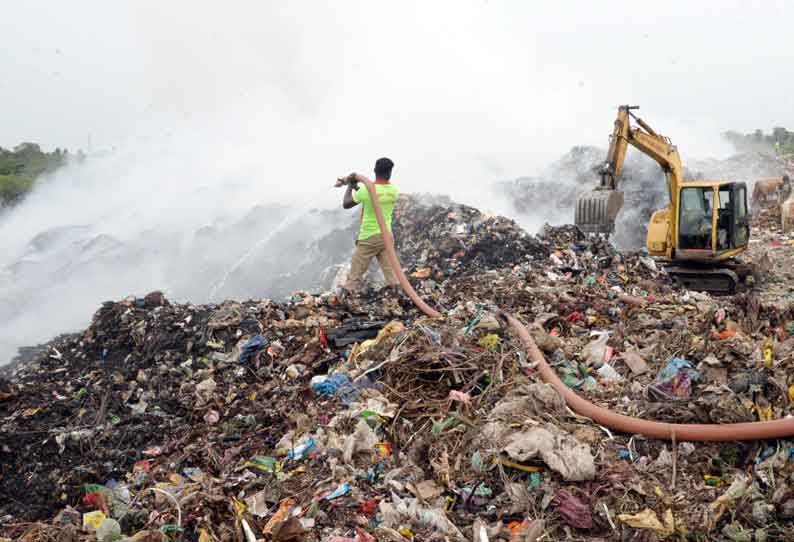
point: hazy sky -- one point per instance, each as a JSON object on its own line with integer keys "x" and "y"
{"x": 510, "y": 82}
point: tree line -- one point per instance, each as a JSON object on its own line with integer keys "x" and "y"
{"x": 22, "y": 165}
{"x": 779, "y": 140}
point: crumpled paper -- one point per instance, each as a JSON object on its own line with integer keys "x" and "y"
{"x": 647, "y": 520}
{"x": 561, "y": 451}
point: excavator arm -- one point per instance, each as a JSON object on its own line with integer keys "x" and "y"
{"x": 596, "y": 211}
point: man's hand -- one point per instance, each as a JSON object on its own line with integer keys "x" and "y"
{"x": 350, "y": 180}
{"x": 352, "y": 186}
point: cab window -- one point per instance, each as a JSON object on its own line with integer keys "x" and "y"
{"x": 725, "y": 218}
{"x": 694, "y": 222}
{"x": 742, "y": 227}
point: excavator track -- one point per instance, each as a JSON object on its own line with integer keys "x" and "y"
{"x": 718, "y": 280}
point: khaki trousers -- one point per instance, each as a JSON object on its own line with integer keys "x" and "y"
{"x": 366, "y": 249}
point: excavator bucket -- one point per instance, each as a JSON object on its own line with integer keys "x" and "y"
{"x": 596, "y": 211}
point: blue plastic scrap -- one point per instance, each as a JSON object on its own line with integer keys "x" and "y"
{"x": 332, "y": 384}
{"x": 343, "y": 489}
{"x": 250, "y": 349}
{"x": 302, "y": 450}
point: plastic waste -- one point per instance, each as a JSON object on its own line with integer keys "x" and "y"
{"x": 302, "y": 450}
{"x": 92, "y": 520}
{"x": 594, "y": 353}
{"x": 252, "y": 347}
{"x": 109, "y": 530}
{"x": 573, "y": 510}
{"x": 264, "y": 464}
{"x": 328, "y": 386}
{"x": 343, "y": 489}
{"x": 675, "y": 380}
{"x": 608, "y": 373}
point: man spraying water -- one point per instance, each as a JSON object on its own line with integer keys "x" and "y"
{"x": 370, "y": 239}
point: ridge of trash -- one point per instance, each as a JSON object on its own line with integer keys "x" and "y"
{"x": 330, "y": 419}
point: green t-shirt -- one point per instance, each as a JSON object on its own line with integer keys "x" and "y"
{"x": 387, "y": 195}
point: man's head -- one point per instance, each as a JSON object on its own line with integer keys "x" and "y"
{"x": 383, "y": 167}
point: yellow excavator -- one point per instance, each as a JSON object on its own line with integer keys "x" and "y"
{"x": 698, "y": 236}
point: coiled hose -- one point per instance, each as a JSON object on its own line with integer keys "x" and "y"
{"x": 626, "y": 424}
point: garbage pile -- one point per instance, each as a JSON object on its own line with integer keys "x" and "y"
{"x": 746, "y": 166}
{"x": 359, "y": 419}
{"x": 438, "y": 241}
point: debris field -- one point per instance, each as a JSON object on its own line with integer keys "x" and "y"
{"x": 359, "y": 419}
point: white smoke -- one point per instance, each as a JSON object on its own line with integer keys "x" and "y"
{"x": 228, "y": 125}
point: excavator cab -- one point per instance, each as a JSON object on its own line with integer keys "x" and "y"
{"x": 712, "y": 220}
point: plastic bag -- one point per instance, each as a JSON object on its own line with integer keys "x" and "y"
{"x": 595, "y": 351}
{"x": 675, "y": 380}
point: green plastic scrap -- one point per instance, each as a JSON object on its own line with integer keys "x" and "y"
{"x": 94, "y": 488}
{"x": 371, "y": 415}
{"x": 264, "y": 464}
{"x": 82, "y": 392}
{"x": 474, "y": 321}
{"x": 476, "y": 462}
{"x": 440, "y": 427}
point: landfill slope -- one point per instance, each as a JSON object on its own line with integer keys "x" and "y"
{"x": 322, "y": 418}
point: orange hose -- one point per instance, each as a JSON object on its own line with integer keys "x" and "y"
{"x": 626, "y": 424}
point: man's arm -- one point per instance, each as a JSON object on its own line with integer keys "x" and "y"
{"x": 347, "y": 200}
{"x": 352, "y": 184}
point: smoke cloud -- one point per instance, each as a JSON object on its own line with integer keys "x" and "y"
{"x": 212, "y": 132}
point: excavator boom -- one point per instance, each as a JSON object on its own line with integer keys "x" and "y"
{"x": 596, "y": 211}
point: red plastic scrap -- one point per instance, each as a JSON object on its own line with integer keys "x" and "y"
{"x": 574, "y": 317}
{"x": 96, "y": 501}
{"x": 370, "y": 507}
{"x": 723, "y": 335}
{"x": 324, "y": 338}
{"x": 573, "y": 510}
